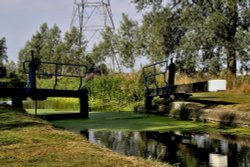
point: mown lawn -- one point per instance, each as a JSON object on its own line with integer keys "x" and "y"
{"x": 29, "y": 141}
{"x": 226, "y": 100}
{"x": 223, "y": 96}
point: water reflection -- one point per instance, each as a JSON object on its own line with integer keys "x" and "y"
{"x": 193, "y": 150}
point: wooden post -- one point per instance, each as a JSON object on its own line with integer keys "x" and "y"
{"x": 171, "y": 73}
{"x": 84, "y": 103}
{"x": 17, "y": 102}
{"x": 148, "y": 103}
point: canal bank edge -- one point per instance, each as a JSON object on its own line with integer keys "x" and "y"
{"x": 30, "y": 141}
{"x": 198, "y": 112}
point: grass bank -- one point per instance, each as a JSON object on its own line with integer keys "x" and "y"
{"x": 230, "y": 100}
{"x": 28, "y": 141}
{"x": 226, "y": 108}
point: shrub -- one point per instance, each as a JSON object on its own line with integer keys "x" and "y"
{"x": 182, "y": 112}
{"x": 116, "y": 91}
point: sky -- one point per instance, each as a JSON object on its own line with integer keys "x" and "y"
{"x": 20, "y": 19}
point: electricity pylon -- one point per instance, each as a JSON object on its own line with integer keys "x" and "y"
{"x": 91, "y": 17}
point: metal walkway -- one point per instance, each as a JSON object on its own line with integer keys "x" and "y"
{"x": 159, "y": 81}
{"x": 53, "y": 70}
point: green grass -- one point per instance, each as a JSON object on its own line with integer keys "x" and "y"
{"x": 223, "y": 96}
{"x": 49, "y": 111}
{"x": 237, "y": 102}
{"x": 29, "y": 141}
{"x": 126, "y": 121}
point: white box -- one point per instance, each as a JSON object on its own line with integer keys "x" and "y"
{"x": 217, "y": 85}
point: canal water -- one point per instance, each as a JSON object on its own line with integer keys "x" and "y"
{"x": 181, "y": 149}
{"x": 185, "y": 150}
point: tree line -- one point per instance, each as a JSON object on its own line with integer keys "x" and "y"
{"x": 207, "y": 36}
{"x": 202, "y": 35}
{"x": 7, "y": 68}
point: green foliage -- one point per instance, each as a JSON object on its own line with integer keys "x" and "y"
{"x": 202, "y": 35}
{"x": 65, "y": 83}
{"x": 48, "y": 46}
{"x": 141, "y": 5}
{"x": 106, "y": 92}
{"x": 3, "y": 51}
{"x": 54, "y": 105}
{"x": 126, "y": 41}
{"x": 11, "y": 68}
{"x": 104, "y": 49}
{"x": 74, "y": 47}
{"x": 113, "y": 92}
{"x": 182, "y": 112}
{"x": 98, "y": 54}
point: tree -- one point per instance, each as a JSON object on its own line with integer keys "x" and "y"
{"x": 75, "y": 49}
{"x": 219, "y": 23}
{"x": 126, "y": 41}
{"x": 36, "y": 44}
{"x": 99, "y": 53}
{"x": 45, "y": 44}
{"x": 50, "y": 48}
{"x": 212, "y": 28}
{"x": 146, "y": 4}
{"x": 104, "y": 49}
{"x": 160, "y": 34}
{"x": 11, "y": 69}
{"x": 39, "y": 41}
{"x": 3, "y": 51}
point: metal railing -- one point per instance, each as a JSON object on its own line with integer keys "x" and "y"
{"x": 54, "y": 70}
{"x": 151, "y": 72}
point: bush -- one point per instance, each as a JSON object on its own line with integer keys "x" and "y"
{"x": 182, "y": 112}
{"x": 115, "y": 91}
